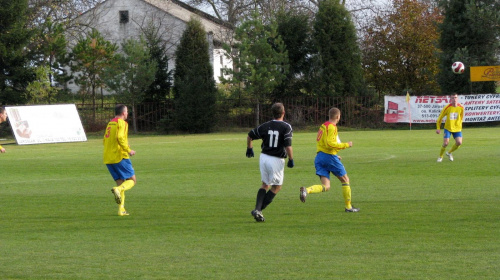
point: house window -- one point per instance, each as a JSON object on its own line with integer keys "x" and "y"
{"x": 123, "y": 16}
{"x": 221, "y": 62}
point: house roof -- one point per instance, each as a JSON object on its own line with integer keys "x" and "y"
{"x": 178, "y": 9}
{"x": 193, "y": 10}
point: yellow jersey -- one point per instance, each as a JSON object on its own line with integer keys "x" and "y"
{"x": 454, "y": 117}
{"x": 115, "y": 141}
{"x": 328, "y": 141}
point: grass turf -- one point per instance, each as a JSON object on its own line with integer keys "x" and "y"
{"x": 190, "y": 211}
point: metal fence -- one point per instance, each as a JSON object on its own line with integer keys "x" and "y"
{"x": 95, "y": 118}
{"x": 242, "y": 113}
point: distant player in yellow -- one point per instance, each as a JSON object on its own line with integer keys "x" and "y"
{"x": 3, "y": 117}
{"x": 454, "y": 113}
{"x": 116, "y": 156}
{"x": 327, "y": 146}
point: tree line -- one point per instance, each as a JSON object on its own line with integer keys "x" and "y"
{"x": 280, "y": 49}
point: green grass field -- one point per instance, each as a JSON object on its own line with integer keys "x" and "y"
{"x": 190, "y": 211}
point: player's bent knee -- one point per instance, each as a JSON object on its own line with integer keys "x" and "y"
{"x": 133, "y": 179}
{"x": 275, "y": 188}
{"x": 344, "y": 179}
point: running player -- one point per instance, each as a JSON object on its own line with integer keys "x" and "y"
{"x": 117, "y": 156}
{"x": 454, "y": 113}
{"x": 327, "y": 146}
{"x": 276, "y": 138}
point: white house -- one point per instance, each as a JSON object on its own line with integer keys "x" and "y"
{"x": 118, "y": 20}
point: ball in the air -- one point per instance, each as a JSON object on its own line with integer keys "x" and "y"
{"x": 458, "y": 67}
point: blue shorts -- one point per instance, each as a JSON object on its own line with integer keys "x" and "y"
{"x": 122, "y": 170}
{"x": 326, "y": 163}
{"x": 447, "y": 134}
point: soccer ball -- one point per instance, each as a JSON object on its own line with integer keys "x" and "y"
{"x": 458, "y": 67}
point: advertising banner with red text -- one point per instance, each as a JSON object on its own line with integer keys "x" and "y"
{"x": 426, "y": 109}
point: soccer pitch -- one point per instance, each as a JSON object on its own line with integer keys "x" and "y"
{"x": 190, "y": 211}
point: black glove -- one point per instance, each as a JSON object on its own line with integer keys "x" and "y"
{"x": 250, "y": 152}
{"x": 290, "y": 163}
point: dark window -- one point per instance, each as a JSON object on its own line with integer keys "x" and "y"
{"x": 123, "y": 16}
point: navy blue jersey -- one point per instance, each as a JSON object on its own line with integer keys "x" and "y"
{"x": 275, "y": 135}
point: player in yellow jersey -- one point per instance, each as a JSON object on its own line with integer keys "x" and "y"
{"x": 116, "y": 156}
{"x": 328, "y": 145}
{"x": 454, "y": 113}
{"x": 3, "y": 117}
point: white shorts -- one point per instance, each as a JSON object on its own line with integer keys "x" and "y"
{"x": 271, "y": 170}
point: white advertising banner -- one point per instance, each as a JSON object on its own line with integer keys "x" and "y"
{"x": 426, "y": 109}
{"x": 46, "y": 124}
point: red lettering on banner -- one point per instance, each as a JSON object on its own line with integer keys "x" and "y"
{"x": 467, "y": 103}
{"x": 492, "y": 73}
{"x": 483, "y": 113}
{"x": 432, "y": 99}
{"x": 442, "y": 99}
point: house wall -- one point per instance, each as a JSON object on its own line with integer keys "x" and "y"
{"x": 221, "y": 61}
{"x": 167, "y": 16}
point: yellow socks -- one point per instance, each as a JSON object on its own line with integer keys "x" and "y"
{"x": 316, "y": 189}
{"x": 125, "y": 186}
{"x": 346, "y": 191}
{"x": 441, "y": 153}
{"x": 122, "y": 204}
{"x": 454, "y": 148}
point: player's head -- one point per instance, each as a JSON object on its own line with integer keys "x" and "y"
{"x": 454, "y": 99}
{"x": 278, "y": 110}
{"x": 3, "y": 114}
{"x": 334, "y": 113}
{"x": 121, "y": 110}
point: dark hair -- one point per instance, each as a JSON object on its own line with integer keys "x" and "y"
{"x": 278, "y": 109}
{"x": 119, "y": 109}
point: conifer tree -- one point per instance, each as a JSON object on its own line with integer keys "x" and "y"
{"x": 52, "y": 53}
{"x": 261, "y": 60}
{"x": 194, "y": 84}
{"x": 296, "y": 32}
{"x": 15, "y": 70}
{"x": 159, "y": 89}
{"x": 340, "y": 71}
{"x": 131, "y": 75}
